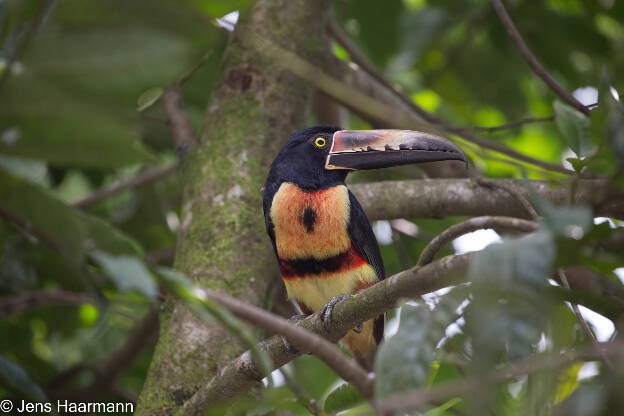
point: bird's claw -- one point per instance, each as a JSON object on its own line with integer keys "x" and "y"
{"x": 326, "y": 312}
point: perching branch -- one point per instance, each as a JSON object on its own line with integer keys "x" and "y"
{"x": 416, "y": 398}
{"x": 242, "y": 373}
{"x": 535, "y": 65}
{"x": 473, "y": 224}
{"x": 441, "y": 198}
{"x": 304, "y": 340}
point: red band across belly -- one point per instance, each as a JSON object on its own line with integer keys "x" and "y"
{"x": 300, "y": 268}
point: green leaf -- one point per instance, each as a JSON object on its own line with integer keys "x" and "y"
{"x": 149, "y": 97}
{"x": 128, "y": 272}
{"x": 574, "y": 126}
{"x": 58, "y": 225}
{"x": 403, "y": 361}
{"x": 565, "y": 221}
{"x": 440, "y": 410}
{"x": 110, "y": 239}
{"x": 509, "y": 283}
{"x": 342, "y": 397}
{"x": 18, "y": 380}
{"x": 525, "y": 260}
{"x": 577, "y": 164}
{"x": 50, "y": 220}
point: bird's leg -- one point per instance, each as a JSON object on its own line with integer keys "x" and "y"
{"x": 326, "y": 312}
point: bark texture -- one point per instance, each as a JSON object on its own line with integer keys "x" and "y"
{"x": 222, "y": 244}
{"x": 466, "y": 197}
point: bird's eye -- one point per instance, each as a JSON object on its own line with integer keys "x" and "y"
{"x": 319, "y": 142}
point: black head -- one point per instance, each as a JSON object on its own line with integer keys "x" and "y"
{"x": 302, "y": 160}
{"x": 321, "y": 156}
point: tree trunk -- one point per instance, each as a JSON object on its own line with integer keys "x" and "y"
{"x": 222, "y": 244}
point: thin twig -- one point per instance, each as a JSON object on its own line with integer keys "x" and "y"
{"x": 417, "y": 398}
{"x": 144, "y": 178}
{"x": 10, "y": 305}
{"x": 394, "y": 121}
{"x": 177, "y": 119}
{"x": 513, "y": 124}
{"x": 142, "y": 336}
{"x": 512, "y": 191}
{"x": 583, "y": 322}
{"x": 473, "y": 224}
{"x": 25, "y": 40}
{"x": 535, "y": 65}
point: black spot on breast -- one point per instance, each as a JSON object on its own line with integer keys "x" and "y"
{"x": 308, "y": 219}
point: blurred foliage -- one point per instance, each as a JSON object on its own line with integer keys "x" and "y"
{"x": 69, "y": 126}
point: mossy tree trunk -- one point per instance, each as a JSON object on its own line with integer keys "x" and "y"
{"x": 222, "y": 244}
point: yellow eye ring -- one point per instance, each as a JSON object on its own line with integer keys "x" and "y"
{"x": 319, "y": 142}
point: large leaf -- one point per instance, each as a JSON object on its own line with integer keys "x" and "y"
{"x": 49, "y": 219}
{"x": 75, "y": 139}
{"x": 510, "y": 307}
{"x": 128, "y": 273}
{"x": 574, "y": 127}
{"x": 342, "y": 397}
{"x": 403, "y": 361}
{"x": 64, "y": 228}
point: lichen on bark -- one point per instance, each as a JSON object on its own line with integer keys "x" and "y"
{"x": 222, "y": 245}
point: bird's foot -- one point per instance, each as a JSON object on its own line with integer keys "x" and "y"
{"x": 289, "y": 347}
{"x": 326, "y": 312}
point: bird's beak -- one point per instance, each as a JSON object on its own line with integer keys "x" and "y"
{"x": 373, "y": 149}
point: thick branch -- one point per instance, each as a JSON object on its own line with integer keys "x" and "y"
{"x": 473, "y": 224}
{"x": 513, "y": 191}
{"x": 305, "y": 341}
{"x": 532, "y": 60}
{"x": 441, "y": 198}
{"x": 242, "y": 373}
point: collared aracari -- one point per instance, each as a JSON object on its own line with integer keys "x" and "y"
{"x": 323, "y": 240}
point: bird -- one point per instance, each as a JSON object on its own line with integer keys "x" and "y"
{"x": 323, "y": 241}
